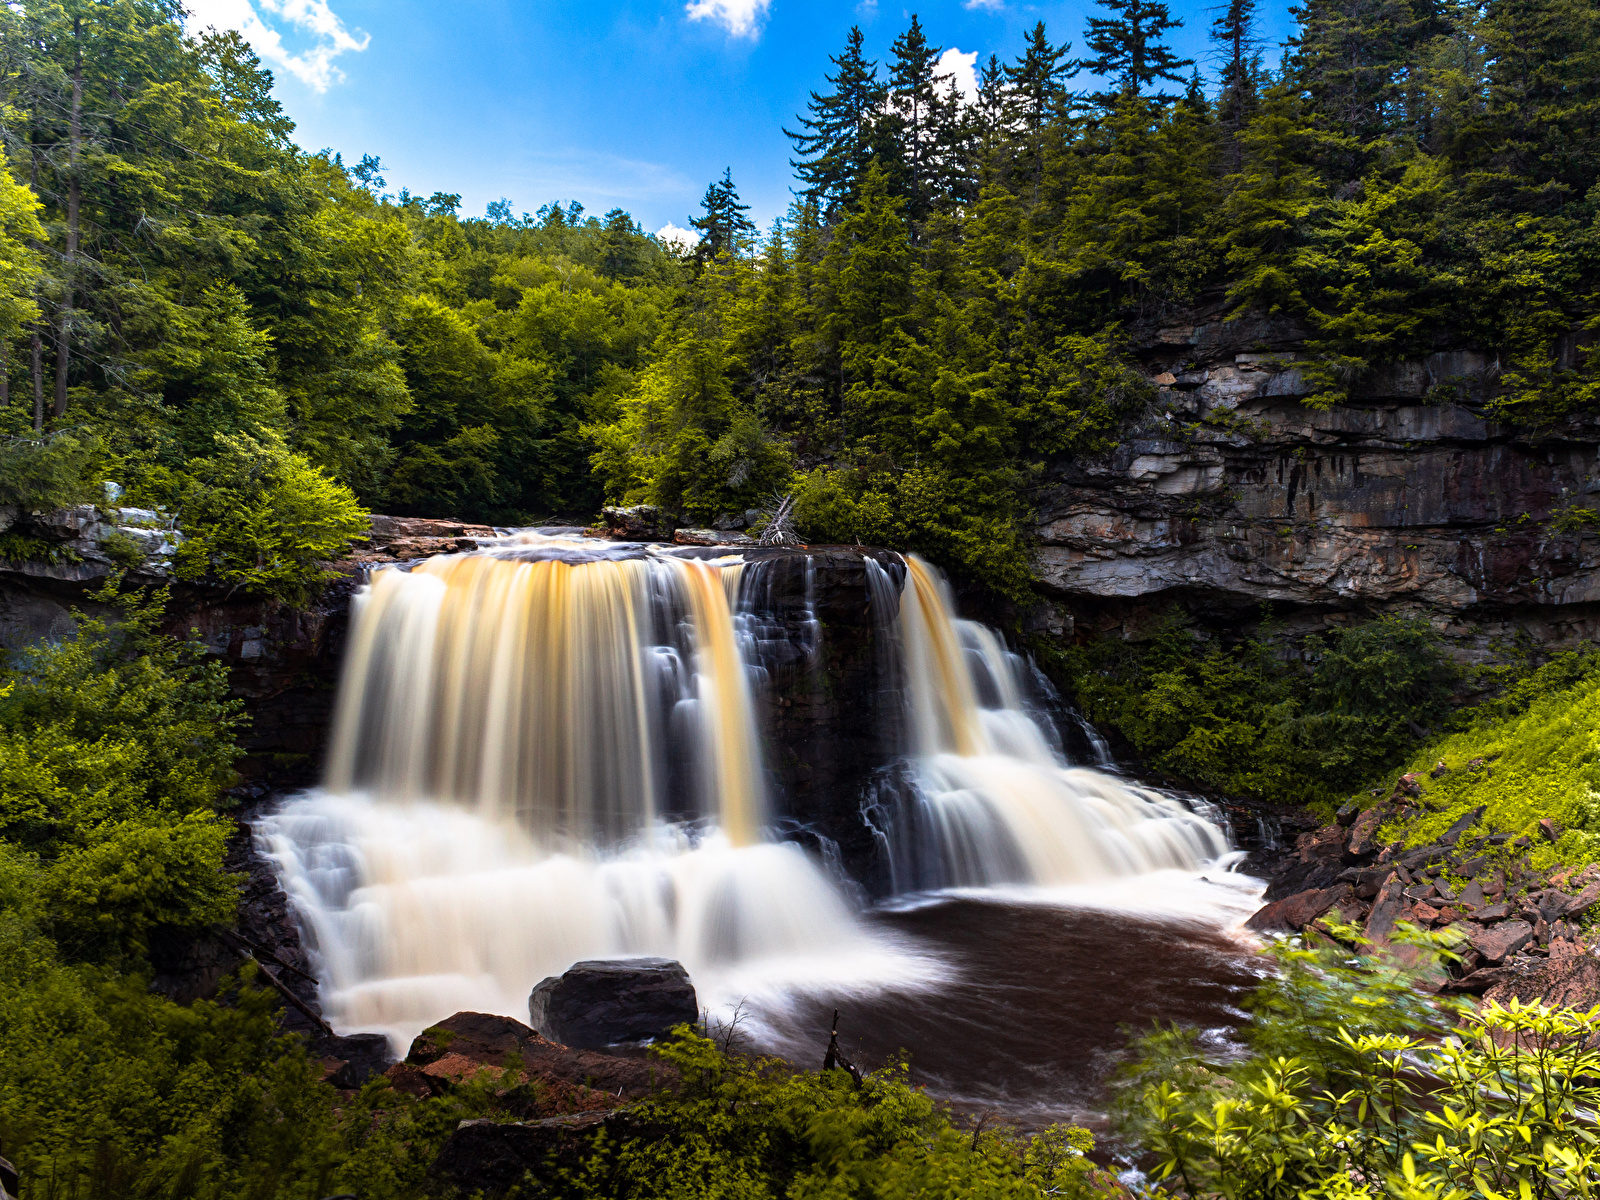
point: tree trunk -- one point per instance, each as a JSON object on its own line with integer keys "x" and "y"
{"x": 74, "y": 202}
{"x": 5, "y": 374}
{"x": 37, "y": 347}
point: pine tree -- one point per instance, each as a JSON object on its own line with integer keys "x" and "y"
{"x": 1129, "y": 48}
{"x": 1035, "y": 98}
{"x": 842, "y": 134}
{"x": 1358, "y": 61}
{"x": 923, "y": 122}
{"x": 1239, "y": 66}
{"x": 722, "y": 224}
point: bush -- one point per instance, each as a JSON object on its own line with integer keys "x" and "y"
{"x": 1252, "y": 721}
{"x": 41, "y": 473}
{"x": 756, "y": 1128}
{"x": 262, "y": 519}
{"x": 114, "y": 746}
{"x": 1352, "y": 1084}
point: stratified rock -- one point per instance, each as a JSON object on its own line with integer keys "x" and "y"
{"x": 1499, "y": 941}
{"x": 609, "y": 1002}
{"x": 1386, "y": 909}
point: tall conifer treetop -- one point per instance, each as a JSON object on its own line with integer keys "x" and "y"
{"x": 1129, "y": 47}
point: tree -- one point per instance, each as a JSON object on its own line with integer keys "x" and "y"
{"x": 1239, "y": 66}
{"x": 1129, "y": 48}
{"x": 924, "y": 114}
{"x": 842, "y": 132}
{"x": 722, "y": 222}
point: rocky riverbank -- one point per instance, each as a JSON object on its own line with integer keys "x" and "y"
{"x": 1520, "y": 933}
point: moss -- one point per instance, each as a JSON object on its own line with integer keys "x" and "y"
{"x": 1537, "y": 755}
{"x": 20, "y": 548}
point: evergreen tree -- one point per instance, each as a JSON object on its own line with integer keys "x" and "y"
{"x": 842, "y": 132}
{"x": 923, "y": 123}
{"x": 1358, "y": 61}
{"x": 1129, "y": 48}
{"x": 1239, "y": 68}
{"x": 722, "y": 222}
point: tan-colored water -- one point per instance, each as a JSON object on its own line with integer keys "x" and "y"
{"x": 538, "y": 691}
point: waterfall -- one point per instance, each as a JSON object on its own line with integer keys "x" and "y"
{"x": 985, "y": 797}
{"x": 548, "y": 750}
{"x": 547, "y": 692}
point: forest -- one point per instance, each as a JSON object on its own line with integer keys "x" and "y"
{"x": 267, "y": 343}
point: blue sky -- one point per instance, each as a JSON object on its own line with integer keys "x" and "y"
{"x": 630, "y": 103}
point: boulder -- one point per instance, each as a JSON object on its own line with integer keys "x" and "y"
{"x": 447, "y": 1050}
{"x": 711, "y": 537}
{"x": 612, "y": 1002}
{"x": 1501, "y": 941}
{"x": 1387, "y": 908}
{"x": 1570, "y": 981}
{"x": 1364, "y": 833}
{"x": 1294, "y": 913}
{"x": 484, "y": 1037}
{"x": 638, "y": 523}
{"x": 354, "y": 1058}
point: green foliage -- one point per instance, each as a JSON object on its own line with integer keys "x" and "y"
{"x": 260, "y": 518}
{"x": 44, "y": 473}
{"x": 1251, "y": 721}
{"x": 114, "y": 746}
{"x": 756, "y": 1128}
{"x": 1351, "y": 1085}
{"x": 1528, "y": 754}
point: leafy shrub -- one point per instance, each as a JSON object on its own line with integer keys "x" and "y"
{"x": 1352, "y": 1086}
{"x": 755, "y": 1128}
{"x": 122, "y": 550}
{"x": 1250, "y": 721}
{"x": 262, "y": 519}
{"x": 41, "y": 473}
{"x": 114, "y": 746}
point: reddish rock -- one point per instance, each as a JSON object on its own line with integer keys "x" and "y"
{"x": 1550, "y": 831}
{"x": 1386, "y": 909}
{"x": 1294, "y": 913}
{"x": 1572, "y": 981}
{"x": 1327, "y": 842}
{"x": 1583, "y": 902}
{"x": 414, "y": 1081}
{"x": 1501, "y": 940}
{"x": 1472, "y": 895}
{"x": 1408, "y": 785}
{"x": 487, "y": 1039}
{"x": 1364, "y": 832}
{"x": 1424, "y": 913}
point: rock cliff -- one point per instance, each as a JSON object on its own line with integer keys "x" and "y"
{"x": 1232, "y": 493}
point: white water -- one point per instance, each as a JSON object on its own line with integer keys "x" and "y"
{"x": 548, "y": 752}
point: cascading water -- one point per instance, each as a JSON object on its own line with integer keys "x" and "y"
{"x": 986, "y": 798}
{"x": 547, "y": 750}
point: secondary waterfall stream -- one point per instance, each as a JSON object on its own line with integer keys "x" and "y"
{"x": 549, "y": 750}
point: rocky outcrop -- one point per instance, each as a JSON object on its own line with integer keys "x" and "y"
{"x": 1518, "y": 931}
{"x": 1233, "y": 492}
{"x": 611, "y": 1002}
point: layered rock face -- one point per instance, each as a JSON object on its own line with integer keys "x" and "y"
{"x": 1234, "y": 493}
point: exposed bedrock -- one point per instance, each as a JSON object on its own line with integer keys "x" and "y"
{"x": 1234, "y": 492}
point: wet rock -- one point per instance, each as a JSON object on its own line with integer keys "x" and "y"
{"x": 711, "y": 537}
{"x": 609, "y": 1002}
{"x": 638, "y": 523}
{"x": 1294, "y": 913}
{"x": 1496, "y": 943}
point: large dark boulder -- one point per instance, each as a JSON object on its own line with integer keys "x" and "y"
{"x": 359, "y": 1056}
{"x": 496, "y": 1156}
{"x": 611, "y": 1002}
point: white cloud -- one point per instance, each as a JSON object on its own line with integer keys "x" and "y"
{"x": 742, "y": 17}
{"x": 962, "y": 68}
{"x": 984, "y": 5}
{"x": 262, "y": 23}
{"x": 686, "y": 238}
